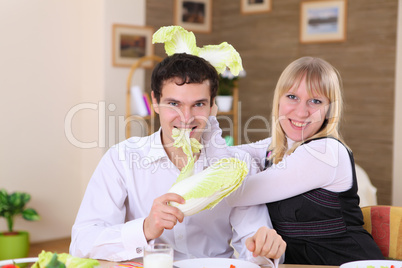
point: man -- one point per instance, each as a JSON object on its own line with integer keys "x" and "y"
{"x": 126, "y": 203}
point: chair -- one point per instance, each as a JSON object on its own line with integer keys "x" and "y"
{"x": 384, "y": 224}
{"x": 366, "y": 191}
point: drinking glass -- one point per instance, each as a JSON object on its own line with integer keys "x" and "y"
{"x": 158, "y": 256}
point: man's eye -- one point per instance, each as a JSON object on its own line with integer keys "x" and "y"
{"x": 199, "y": 104}
{"x": 173, "y": 103}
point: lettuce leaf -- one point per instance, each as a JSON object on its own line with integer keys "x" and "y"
{"x": 176, "y": 39}
{"x": 45, "y": 258}
{"x": 189, "y": 146}
{"x": 207, "y": 188}
{"x": 221, "y": 56}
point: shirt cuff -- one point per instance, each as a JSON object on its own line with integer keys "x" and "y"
{"x": 133, "y": 237}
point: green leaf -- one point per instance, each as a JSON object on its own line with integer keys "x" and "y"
{"x": 18, "y": 200}
{"x": 206, "y": 189}
{"x": 176, "y": 39}
{"x": 3, "y": 201}
{"x": 3, "y": 196}
{"x": 222, "y": 56}
{"x": 30, "y": 214}
{"x": 13, "y": 204}
{"x": 189, "y": 146}
{"x": 55, "y": 263}
{"x": 45, "y": 257}
{"x": 25, "y": 198}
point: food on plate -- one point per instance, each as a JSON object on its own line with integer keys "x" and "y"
{"x": 62, "y": 260}
{"x": 205, "y": 189}
{"x": 385, "y": 266}
{"x": 10, "y": 266}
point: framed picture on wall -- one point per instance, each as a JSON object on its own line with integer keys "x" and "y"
{"x": 255, "y": 6}
{"x": 131, "y": 43}
{"x": 194, "y": 15}
{"x": 323, "y": 21}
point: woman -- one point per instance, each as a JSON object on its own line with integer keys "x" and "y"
{"x": 308, "y": 181}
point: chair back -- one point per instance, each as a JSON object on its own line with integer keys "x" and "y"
{"x": 366, "y": 191}
{"x": 384, "y": 224}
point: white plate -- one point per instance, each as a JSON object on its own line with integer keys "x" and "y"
{"x": 216, "y": 263}
{"x": 23, "y": 260}
{"x": 373, "y": 263}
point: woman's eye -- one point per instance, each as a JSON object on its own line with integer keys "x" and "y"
{"x": 292, "y": 97}
{"x": 315, "y": 101}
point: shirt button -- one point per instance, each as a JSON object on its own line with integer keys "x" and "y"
{"x": 139, "y": 250}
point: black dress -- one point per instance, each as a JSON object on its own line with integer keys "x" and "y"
{"x": 323, "y": 228}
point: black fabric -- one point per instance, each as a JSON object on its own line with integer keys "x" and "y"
{"x": 304, "y": 222}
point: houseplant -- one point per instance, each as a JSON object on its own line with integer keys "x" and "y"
{"x": 15, "y": 244}
{"x": 227, "y": 81}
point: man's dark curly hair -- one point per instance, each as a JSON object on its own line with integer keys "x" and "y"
{"x": 188, "y": 69}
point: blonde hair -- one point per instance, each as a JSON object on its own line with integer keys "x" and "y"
{"x": 321, "y": 79}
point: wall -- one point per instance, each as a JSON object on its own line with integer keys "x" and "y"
{"x": 366, "y": 60}
{"x": 397, "y": 172}
{"x": 40, "y": 81}
{"x": 126, "y": 12}
{"x": 55, "y": 74}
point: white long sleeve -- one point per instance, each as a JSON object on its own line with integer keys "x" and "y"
{"x": 119, "y": 196}
{"x": 323, "y": 163}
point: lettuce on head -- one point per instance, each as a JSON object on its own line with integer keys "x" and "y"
{"x": 221, "y": 56}
{"x": 178, "y": 40}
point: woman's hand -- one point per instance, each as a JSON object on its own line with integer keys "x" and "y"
{"x": 266, "y": 243}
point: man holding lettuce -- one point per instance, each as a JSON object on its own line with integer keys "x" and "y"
{"x": 128, "y": 204}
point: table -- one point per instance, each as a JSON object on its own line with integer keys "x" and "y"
{"x": 107, "y": 264}
{"x": 58, "y": 245}
{"x": 62, "y": 246}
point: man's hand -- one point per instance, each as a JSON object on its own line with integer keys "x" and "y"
{"x": 162, "y": 216}
{"x": 266, "y": 243}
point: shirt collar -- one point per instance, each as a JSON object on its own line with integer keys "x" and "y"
{"x": 156, "y": 150}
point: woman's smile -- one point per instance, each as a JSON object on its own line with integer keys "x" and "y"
{"x": 300, "y": 114}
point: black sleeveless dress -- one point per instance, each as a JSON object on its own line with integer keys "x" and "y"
{"x": 322, "y": 227}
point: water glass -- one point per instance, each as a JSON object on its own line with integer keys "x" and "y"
{"x": 158, "y": 256}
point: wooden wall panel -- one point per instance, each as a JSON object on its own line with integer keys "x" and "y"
{"x": 268, "y": 42}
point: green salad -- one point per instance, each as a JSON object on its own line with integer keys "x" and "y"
{"x": 62, "y": 260}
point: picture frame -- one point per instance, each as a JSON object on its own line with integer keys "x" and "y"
{"x": 323, "y": 21}
{"x": 255, "y": 6}
{"x": 130, "y": 43}
{"x": 194, "y": 15}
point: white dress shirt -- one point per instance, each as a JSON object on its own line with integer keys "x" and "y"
{"x": 119, "y": 196}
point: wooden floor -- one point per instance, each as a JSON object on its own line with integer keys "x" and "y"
{"x": 58, "y": 246}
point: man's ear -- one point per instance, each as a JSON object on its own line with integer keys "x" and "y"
{"x": 214, "y": 108}
{"x": 155, "y": 104}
